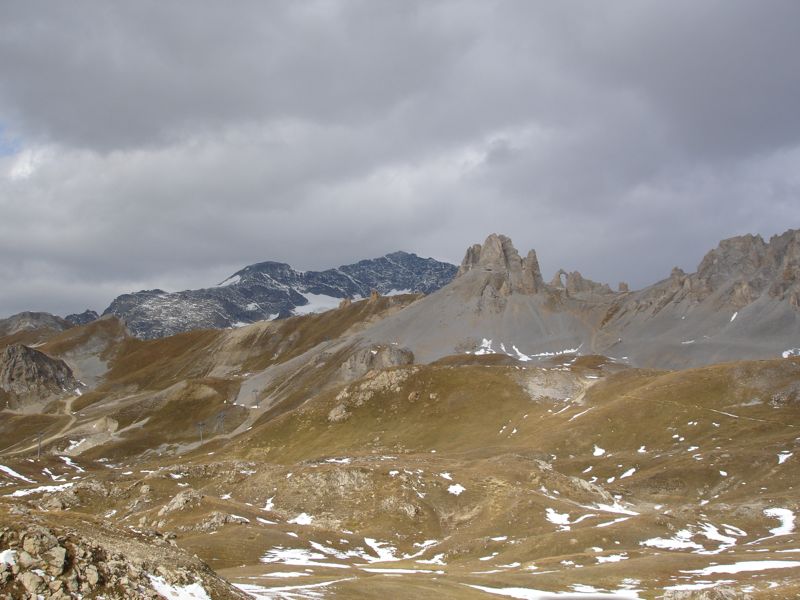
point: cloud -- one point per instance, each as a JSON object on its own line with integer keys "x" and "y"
{"x": 166, "y": 145}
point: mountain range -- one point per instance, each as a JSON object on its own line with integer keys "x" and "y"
{"x": 270, "y": 290}
{"x": 502, "y": 435}
{"x": 741, "y": 303}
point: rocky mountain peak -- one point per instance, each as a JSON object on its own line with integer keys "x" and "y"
{"x": 29, "y": 321}
{"x": 498, "y": 255}
{"x": 269, "y": 289}
{"x": 750, "y": 266}
{"x": 783, "y": 255}
{"x": 26, "y": 372}
{"x": 83, "y": 318}
{"x": 733, "y": 258}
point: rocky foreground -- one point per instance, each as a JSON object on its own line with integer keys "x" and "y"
{"x": 42, "y": 557}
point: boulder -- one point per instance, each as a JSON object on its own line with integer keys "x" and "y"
{"x": 377, "y": 357}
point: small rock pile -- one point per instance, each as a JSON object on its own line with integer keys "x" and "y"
{"x": 37, "y": 562}
{"x": 375, "y": 382}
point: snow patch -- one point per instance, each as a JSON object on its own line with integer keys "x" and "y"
{"x": 612, "y": 558}
{"x": 532, "y": 594}
{"x": 70, "y": 463}
{"x": 746, "y": 566}
{"x": 556, "y": 518}
{"x": 39, "y": 490}
{"x": 194, "y": 591}
{"x": 614, "y": 522}
{"x": 401, "y": 571}
{"x": 680, "y": 541}
{"x": 786, "y": 518}
{"x": 317, "y": 303}
{"x": 298, "y": 557}
{"x": 580, "y": 414}
{"x": 301, "y": 519}
{"x": 74, "y": 444}
{"x": 519, "y": 355}
{"x": 456, "y": 489}
{"x": 232, "y": 280}
{"x": 8, "y": 557}
{"x": 262, "y": 593}
{"x": 13, "y": 473}
{"x": 384, "y": 551}
{"x": 485, "y": 348}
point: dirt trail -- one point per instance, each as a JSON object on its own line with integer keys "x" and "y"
{"x": 67, "y": 410}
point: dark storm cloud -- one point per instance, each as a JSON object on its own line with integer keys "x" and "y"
{"x": 165, "y": 145}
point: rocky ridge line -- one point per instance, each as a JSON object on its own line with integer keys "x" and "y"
{"x": 271, "y": 290}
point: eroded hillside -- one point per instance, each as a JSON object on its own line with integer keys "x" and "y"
{"x": 369, "y": 451}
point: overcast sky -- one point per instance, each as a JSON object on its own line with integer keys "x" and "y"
{"x": 167, "y": 144}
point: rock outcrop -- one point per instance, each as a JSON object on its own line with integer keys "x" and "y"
{"x": 378, "y": 357}
{"x": 83, "y": 318}
{"x": 575, "y": 283}
{"x": 63, "y": 564}
{"x": 26, "y": 373}
{"x": 511, "y": 273}
{"x": 733, "y": 275}
{"x": 742, "y": 302}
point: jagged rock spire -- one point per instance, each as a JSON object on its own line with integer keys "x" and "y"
{"x": 498, "y": 255}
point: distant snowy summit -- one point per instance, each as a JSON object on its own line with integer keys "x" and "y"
{"x": 270, "y": 290}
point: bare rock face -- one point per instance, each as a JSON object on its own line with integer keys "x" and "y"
{"x": 29, "y": 374}
{"x": 736, "y": 257}
{"x": 378, "y": 357}
{"x": 575, "y": 283}
{"x": 737, "y": 272}
{"x": 750, "y": 266}
{"x": 217, "y": 520}
{"x": 28, "y": 321}
{"x": 532, "y": 281}
{"x": 183, "y": 499}
{"x": 87, "y": 316}
{"x": 511, "y": 273}
{"x": 783, "y": 256}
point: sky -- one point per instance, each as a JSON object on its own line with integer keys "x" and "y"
{"x": 167, "y": 144}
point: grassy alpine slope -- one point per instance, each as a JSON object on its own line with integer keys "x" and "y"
{"x": 318, "y": 457}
